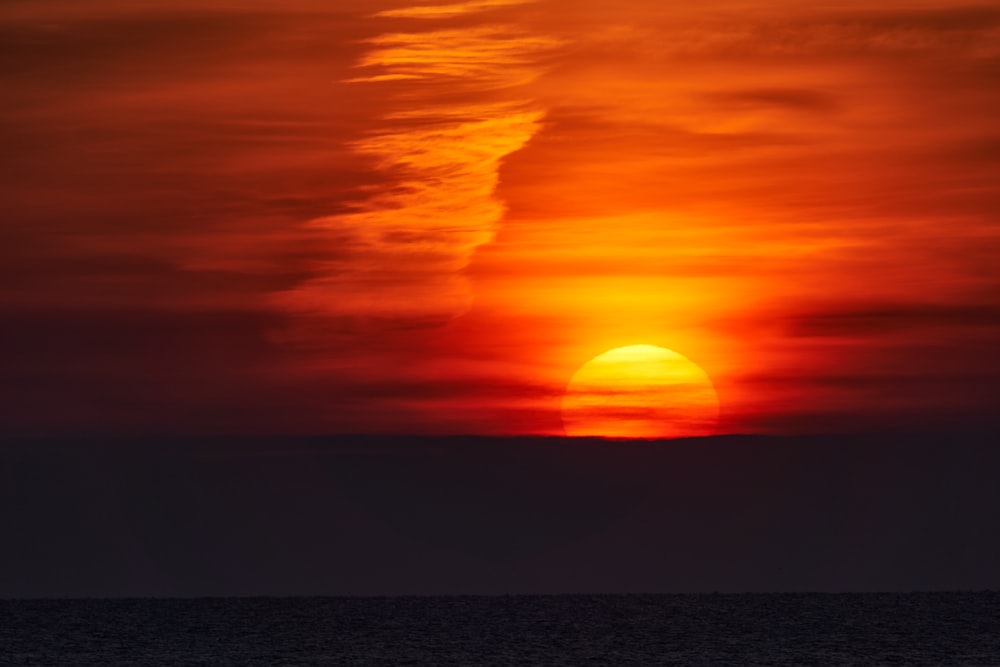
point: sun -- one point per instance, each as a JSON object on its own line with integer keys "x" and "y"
{"x": 640, "y": 391}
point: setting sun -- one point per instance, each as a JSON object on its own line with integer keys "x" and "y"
{"x": 640, "y": 391}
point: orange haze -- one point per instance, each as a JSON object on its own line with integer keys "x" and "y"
{"x": 307, "y": 216}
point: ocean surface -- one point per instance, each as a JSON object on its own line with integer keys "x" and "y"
{"x": 746, "y": 629}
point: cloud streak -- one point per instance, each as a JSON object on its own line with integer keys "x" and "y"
{"x": 448, "y": 11}
{"x": 397, "y": 256}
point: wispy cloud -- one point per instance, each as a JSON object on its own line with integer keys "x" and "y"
{"x": 408, "y": 241}
{"x": 448, "y": 11}
{"x": 479, "y": 57}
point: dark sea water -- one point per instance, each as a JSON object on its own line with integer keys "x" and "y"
{"x": 751, "y": 629}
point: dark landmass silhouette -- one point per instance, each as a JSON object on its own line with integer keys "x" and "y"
{"x": 392, "y": 515}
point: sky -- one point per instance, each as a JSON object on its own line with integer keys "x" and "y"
{"x": 302, "y": 217}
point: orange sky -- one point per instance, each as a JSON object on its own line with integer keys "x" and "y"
{"x": 248, "y": 217}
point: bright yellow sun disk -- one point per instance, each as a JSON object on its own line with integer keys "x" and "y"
{"x": 640, "y": 391}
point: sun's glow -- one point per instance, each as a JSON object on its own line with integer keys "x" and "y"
{"x": 640, "y": 391}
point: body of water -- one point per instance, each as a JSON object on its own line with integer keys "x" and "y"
{"x": 749, "y": 629}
